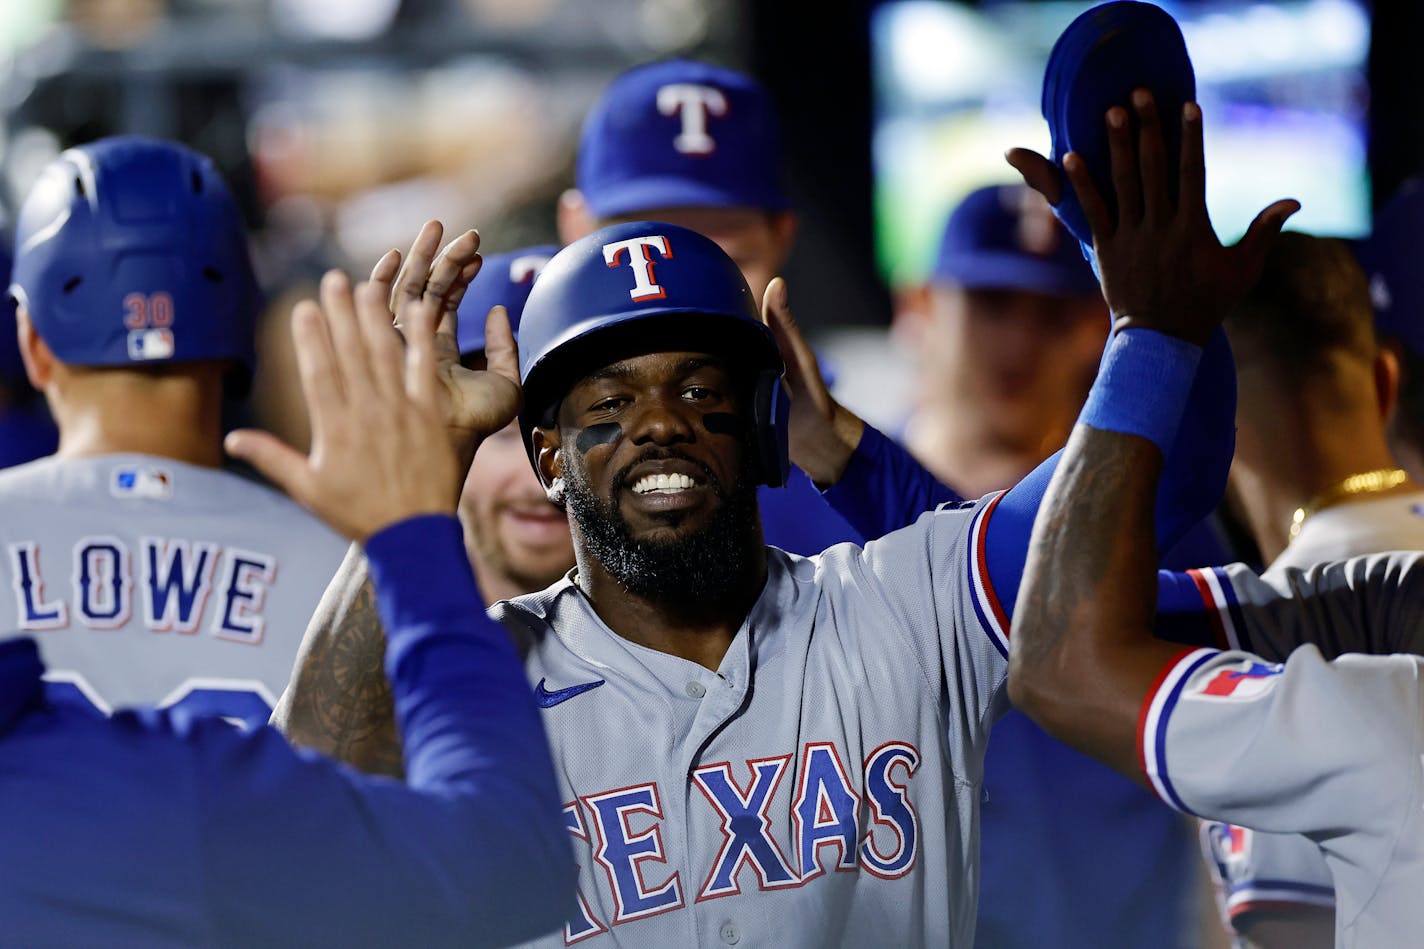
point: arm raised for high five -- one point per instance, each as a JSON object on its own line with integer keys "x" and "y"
{"x": 1082, "y": 651}
{"x": 338, "y": 701}
{"x": 472, "y": 847}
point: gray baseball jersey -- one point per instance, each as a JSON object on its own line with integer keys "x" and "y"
{"x": 147, "y": 581}
{"x": 820, "y": 788}
{"x": 1272, "y": 871}
{"x": 1326, "y": 749}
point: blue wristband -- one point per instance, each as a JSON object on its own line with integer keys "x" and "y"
{"x": 1142, "y": 386}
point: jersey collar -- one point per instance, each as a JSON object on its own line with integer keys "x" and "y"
{"x": 20, "y": 671}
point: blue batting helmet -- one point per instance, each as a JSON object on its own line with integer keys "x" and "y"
{"x": 504, "y": 280}
{"x": 131, "y": 251}
{"x": 640, "y": 288}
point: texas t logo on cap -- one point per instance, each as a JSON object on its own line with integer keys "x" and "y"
{"x": 524, "y": 268}
{"x": 645, "y": 286}
{"x": 693, "y": 103}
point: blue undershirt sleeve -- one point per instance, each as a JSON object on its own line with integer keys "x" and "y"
{"x": 883, "y": 487}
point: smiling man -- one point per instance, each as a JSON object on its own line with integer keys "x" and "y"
{"x": 752, "y": 746}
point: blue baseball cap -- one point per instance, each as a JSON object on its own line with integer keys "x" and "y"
{"x": 1391, "y": 258}
{"x": 996, "y": 239}
{"x": 1099, "y": 60}
{"x": 681, "y": 134}
{"x": 504, "y": 280}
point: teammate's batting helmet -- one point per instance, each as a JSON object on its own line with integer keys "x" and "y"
{"x": 504, "y": 280}
{"x": 640, "y": 288}
{"x": 130, "y": 251}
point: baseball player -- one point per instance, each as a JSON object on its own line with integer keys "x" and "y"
{"x": 146, "y": 573}
{"x": 157, "y": 828}
{"x": 807, "y": 734}
{"x": 698, "y": 145}
{"x": 1327, "y": 749}
{"x": 1314, "y": 480}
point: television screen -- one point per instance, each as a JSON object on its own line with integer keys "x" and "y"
{"x": 1282, "y": 86}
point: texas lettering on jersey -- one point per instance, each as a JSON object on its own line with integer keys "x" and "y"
{"x": 621, "y": 829}
{"x": 175, "y": 585}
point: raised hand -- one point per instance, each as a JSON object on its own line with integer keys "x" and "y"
{"x": 379, "y": 451}
{"x": 475, "y": 403}
{"x": 823, "y": 432}
{"x": 1161, "y": 264}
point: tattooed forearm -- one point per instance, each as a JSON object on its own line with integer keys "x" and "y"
{"x": 1092, "y": 559}
{"x": 338, "y": 701}
{"x": 1082, "y": 624}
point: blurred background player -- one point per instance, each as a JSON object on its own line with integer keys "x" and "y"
{"x": 699, "y": 146}
{"x": 148, "y": 574}
{"x": 1313, "y": 476}
{"x": 1314, "y": 481}
{"x": 1009, "y": 332}
{"x": 517, "y": 541}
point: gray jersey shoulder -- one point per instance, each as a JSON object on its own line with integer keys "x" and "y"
{"x": 1371, "y": 604}
{"x": 1330, "y": 750}
{"x": 149, "y": 581}
{"x": 819, "y": 788}
{"x": 1265, "y": 871}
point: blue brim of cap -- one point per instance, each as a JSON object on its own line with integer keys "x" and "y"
{"x": 1099, "y": 60}
{"x": 640, "y": 195}
{"x": 1011, "y": 272}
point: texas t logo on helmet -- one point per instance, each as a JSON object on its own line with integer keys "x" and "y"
{"x": 636, "y": 249}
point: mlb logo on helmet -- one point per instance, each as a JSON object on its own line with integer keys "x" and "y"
{"x": 150, "y": 344}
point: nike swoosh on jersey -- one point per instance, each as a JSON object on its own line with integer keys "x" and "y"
{"x": 547, "y": 699}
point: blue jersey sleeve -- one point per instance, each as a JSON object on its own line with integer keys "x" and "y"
{"x": 884, "y": 488}
{"x": 1193, "y": 474}
{"x": 471, "y": 850}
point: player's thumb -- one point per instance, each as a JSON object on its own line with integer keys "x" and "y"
{"x": 501, "y": 346}
{"x": 1262, "y": 234}
{"x": 795, "y": 351}
{"x": 277, "y": 461}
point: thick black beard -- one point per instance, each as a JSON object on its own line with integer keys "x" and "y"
{"x": 696, "y": 569}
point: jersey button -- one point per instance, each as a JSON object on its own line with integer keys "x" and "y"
{"x": 730, "y": 935}
{"x": 695, "y": 690}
